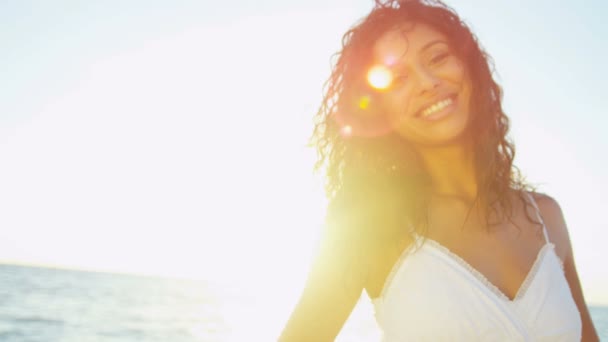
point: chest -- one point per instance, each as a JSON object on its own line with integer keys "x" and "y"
{"x": 431, "y": 291}
{"x": 503, "y": 256}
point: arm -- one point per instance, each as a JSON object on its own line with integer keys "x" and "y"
{"x": 558, "y": 232}
{"x": 332, "y": 290}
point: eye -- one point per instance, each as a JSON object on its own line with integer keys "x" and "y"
{"x": 440, "y": 57}
{"x": 399, "y": 79}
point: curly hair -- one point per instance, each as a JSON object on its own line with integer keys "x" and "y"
{"x": 374, "y": 185}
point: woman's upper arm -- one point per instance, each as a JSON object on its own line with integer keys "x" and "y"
{"x": 558, "y": 234}
{"x": 333, "y": 288}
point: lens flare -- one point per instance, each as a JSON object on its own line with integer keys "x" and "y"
{"x": 346, "y": 131}
{"x": 390, "y": 60}
{"x": 364, "y": 102}
{"x": 379, "y": 77}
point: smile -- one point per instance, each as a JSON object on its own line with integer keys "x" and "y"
{"x": 437, "y": 107}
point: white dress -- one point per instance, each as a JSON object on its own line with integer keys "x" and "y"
{"x": 432, "y": 294}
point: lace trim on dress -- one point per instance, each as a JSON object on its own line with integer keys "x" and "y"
{"x": 523, "y": 288}
{"x": 395, "y": 269}
{"x": 482, "y": 278}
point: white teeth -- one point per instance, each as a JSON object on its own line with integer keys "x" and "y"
{"x": 437, "y": 107}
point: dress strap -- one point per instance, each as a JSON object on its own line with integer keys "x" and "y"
{"x": 540, "y": 219}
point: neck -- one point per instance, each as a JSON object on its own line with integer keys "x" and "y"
{"x": 451, "y": 169}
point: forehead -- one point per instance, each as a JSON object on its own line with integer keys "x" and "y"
{"x": 403, "y": 41}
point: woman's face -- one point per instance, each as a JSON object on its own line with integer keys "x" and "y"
{"x": 427, "y": 101}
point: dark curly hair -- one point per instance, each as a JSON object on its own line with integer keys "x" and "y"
{"x": 374, "y": 184}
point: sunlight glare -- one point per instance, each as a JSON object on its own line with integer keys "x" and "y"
{"x": 379, "y": 77}
{"x": 346, "y": 131}
{"x": 364, "y": 102}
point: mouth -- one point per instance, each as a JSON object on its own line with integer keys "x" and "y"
{"x": 437, "y": 109}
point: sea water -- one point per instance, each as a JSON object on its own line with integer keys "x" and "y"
{"x": 47, "y": 305}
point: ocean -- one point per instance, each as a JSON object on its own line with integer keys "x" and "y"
{"x": 48, "y": 305}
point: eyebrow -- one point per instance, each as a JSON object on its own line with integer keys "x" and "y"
{"x": 399, "y": 66}
{"x": 431, "y": 43}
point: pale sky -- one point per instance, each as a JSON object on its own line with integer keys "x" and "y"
{"x": 168, "y": 137}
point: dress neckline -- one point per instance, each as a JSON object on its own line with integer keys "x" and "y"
{"x": 421, "y": 242}
{"x": 523, "y": 287}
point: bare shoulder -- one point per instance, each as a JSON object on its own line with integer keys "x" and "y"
{"x": 553, "y": 217}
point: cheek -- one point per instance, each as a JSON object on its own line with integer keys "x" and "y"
{"x": 396, "y": 104}
{"x": 399, "y": 112}
{"x": 467, "y": 96}
{"x": 454, "y": 72}
{"x": 466, "y": 93}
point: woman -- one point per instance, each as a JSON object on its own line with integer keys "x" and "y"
{"x": 427, "y": 213}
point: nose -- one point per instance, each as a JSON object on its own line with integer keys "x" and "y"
{"x": 427, "y": 80}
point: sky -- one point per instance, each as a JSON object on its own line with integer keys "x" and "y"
{"x": 169, "y": 137}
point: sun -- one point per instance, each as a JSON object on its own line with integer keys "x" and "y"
{"x": 379, "y": 77}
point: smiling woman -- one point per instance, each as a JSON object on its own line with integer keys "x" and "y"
{"x": 426, "y": 211}
{"x": 168, "y": 138}
{"x": 418, "y": 53}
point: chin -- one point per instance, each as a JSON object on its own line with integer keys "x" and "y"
{"x": 446, "y": 134}
{"x": 447, "y": 141}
